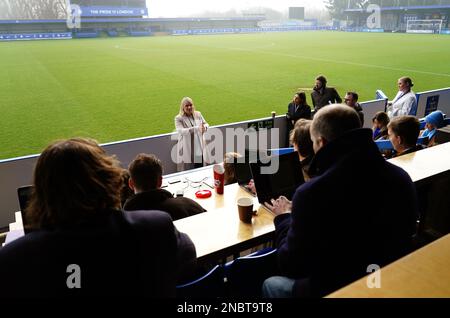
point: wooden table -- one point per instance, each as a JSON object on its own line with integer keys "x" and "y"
{"x": 424, "y": 273}
{"x": 429, "y": 169}
{"x": 218, "y": 232}
{"x": 425, "y": 164}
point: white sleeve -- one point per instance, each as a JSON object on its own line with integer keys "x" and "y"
{"x": 203, "y": 121}
{"x": 406, "y": 106}
{"x": 410, "y": 103}
{"x": 180, "y": 128}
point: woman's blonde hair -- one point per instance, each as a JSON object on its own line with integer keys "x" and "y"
{"x": 184, "y": 102}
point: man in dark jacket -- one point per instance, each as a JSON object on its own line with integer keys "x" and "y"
{"x": 340, "y": 224}
{"x": 146, "y": 179}
{"x": 323, "y": 95}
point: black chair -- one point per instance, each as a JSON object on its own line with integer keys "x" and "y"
{"x": 245, "y": 275}
{"x": 210, "y": 285}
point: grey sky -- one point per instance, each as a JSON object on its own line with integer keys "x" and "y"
{"x": 186, "y": 8}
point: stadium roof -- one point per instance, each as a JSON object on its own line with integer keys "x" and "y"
{"x": 92, "y": 20}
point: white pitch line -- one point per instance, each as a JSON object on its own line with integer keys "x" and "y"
{"x": 313, "y": 59}
{"x": 338, "y": 62}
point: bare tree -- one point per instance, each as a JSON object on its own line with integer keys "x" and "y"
{"x": 33, "y": 9}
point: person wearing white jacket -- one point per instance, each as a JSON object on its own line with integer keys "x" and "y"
{"x": 191, "y": 126}
{"x": 404, "y": 101}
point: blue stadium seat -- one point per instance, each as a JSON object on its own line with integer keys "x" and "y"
{"x": 112, "y": 32}
{"x": 422, "y": 123}
{"x": 387, "y": 145}
{"x": 245, "y": 275}
{"x": 413, "y": 111}
{"x": 139, "y": 32}
{"x": 281, "y": 151}
{"x": 87, "y": 33}
{"x": 379, "y": 94}
{"x": 210, "y": 285}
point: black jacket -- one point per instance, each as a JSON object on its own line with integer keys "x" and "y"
{"x": 340, "y": 223}
{"x": 160, "y": 199}
{"x": 324, "y": 97}
{"x": 360, "y": 112}
{"x": 303, "y": 111}
{"x": 118, "y": 254}
{"x": 409, "y": 150}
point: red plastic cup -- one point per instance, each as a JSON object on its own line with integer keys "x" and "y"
{"x": 218, "y": 178}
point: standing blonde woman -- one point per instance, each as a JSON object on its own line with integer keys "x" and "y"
{"x": 191, "y": 127}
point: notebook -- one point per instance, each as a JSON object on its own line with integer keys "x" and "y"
{"x": 284, "y": 181}
{"x": 243, "y": 174}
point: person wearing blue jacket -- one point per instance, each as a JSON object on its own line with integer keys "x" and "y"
{"x": 434, "y": 121}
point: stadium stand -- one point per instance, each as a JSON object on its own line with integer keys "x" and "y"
{"x": 128, "y": 18}
{"x": 112, "y": 32}
{"x": 16, "y": 171}
{"x": 396, "y": 14}
{"x": 139, "y": 32}
{"x": 85, "y": 33}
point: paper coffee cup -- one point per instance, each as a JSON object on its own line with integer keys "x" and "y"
{"x": 219, "y": 175}
{"x": 245, "y": 209}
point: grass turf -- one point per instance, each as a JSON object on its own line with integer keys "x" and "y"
{"x": 119, "y": 88}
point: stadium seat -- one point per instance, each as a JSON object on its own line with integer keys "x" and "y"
{"x": 87, "y": 33}
{"x": 210, "y": 285}
{"x": 112, "y": 32}
{"x": 387, "y": 145}
{"x": 281, "y": 151}
{"x": 413, "y": 111}
{"x": 379, "y": 94}
{"x": 245, "y": 275}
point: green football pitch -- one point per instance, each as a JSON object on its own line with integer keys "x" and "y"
{"x": 120, "y": 88}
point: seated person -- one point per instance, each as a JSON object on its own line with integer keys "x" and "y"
{"x": 82, "y": 245}
{"x": 301, "y": 139}
{"x": 434, "y": 121}
{"x": 403, "y": 132}
{"x": 145, "y": 180}
{"x": 404, "y": 101}
{"x": 228, "y": 165}
{"x": 125, "y": 191}
{"x": 380, "y": 122}
{"x": 351, "y": 99}
{"x": 327, "y": 237}
{"x": 230, "y": 174}
{"x": 297, "y": 109}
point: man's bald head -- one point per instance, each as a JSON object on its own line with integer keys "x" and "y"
{"x": 332, "y": 122}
